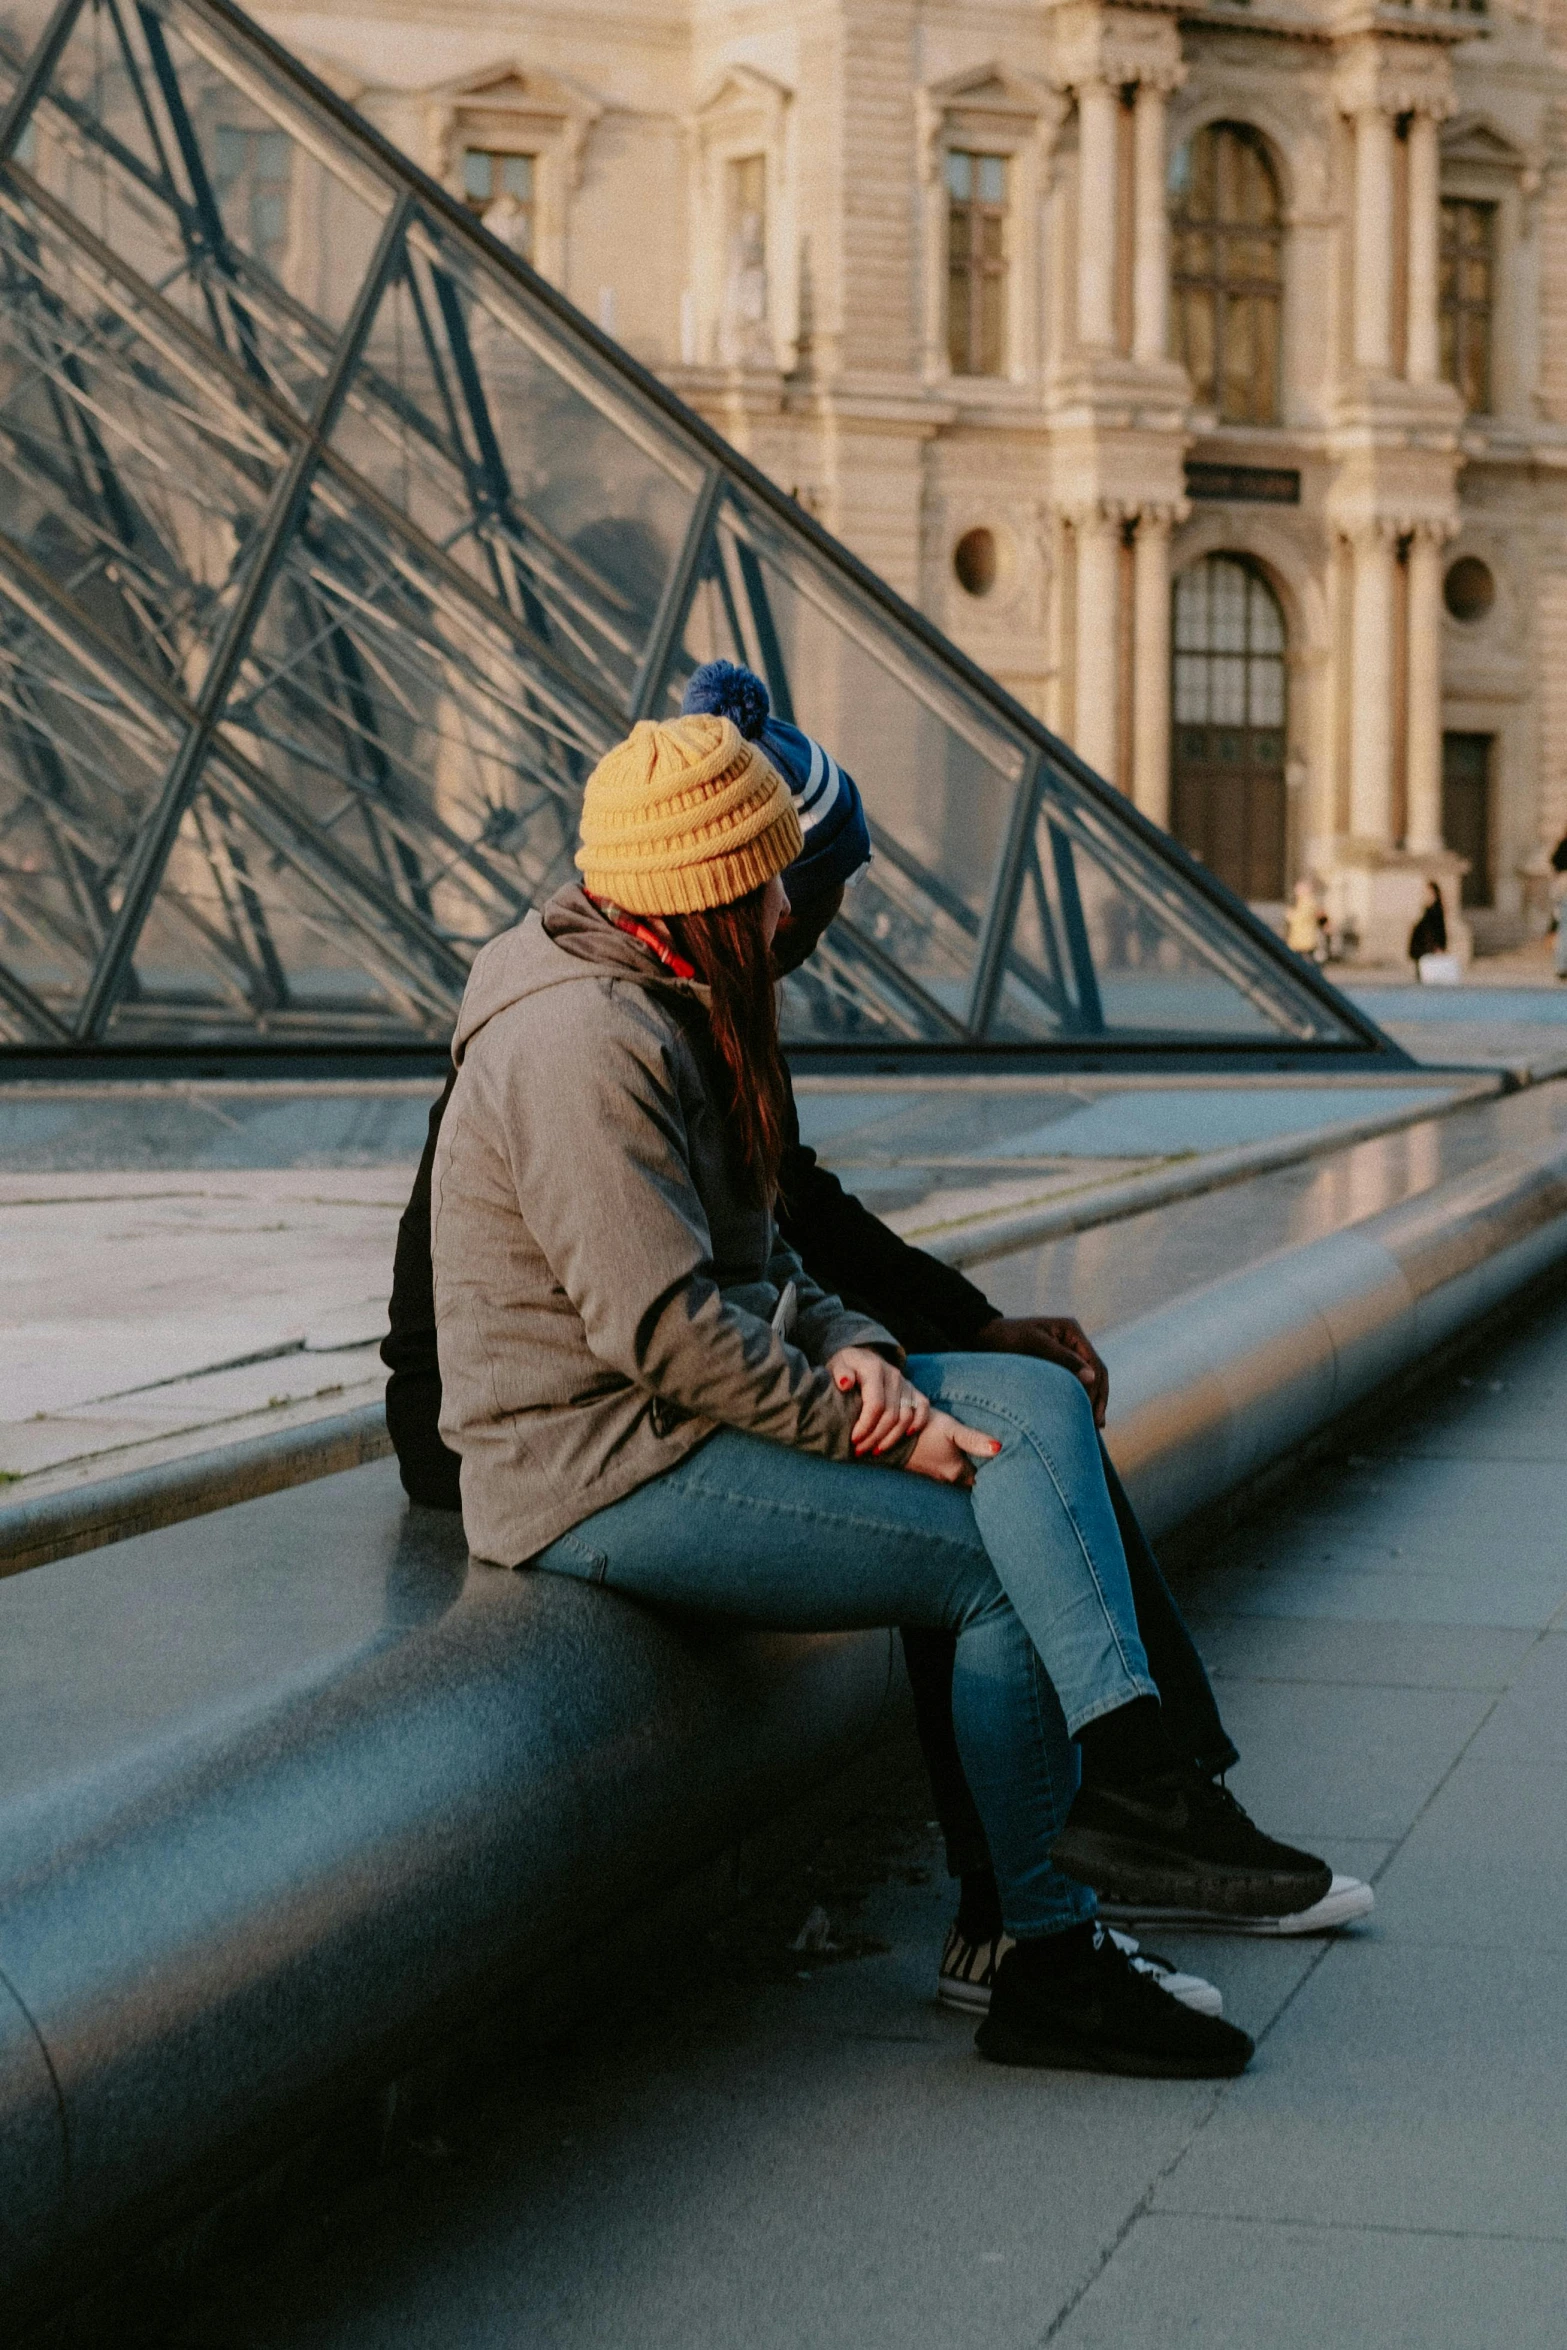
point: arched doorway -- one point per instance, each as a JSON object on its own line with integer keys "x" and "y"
{"x": 1227, "y": 779}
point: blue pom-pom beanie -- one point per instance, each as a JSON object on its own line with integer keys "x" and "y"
{"x": 728, "y": 691}
{"x": 826, "y": 797}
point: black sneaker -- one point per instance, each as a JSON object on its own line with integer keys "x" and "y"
{"x": 1181, "y": 1847}
{"x": 1104, "y": 2016}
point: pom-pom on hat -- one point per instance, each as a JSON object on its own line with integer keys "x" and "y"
{"x": 683, "y": 816}
{"x": 826, "y": 798}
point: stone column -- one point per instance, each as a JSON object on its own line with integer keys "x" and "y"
{"x": 1098, "y": 685}
{"x": 1373, "y": 240}
{"x": 1151, "y": 664}
{"x": 1423, "y": 360}
{"x": 1371, "y": 687}
{"x": 1151, "y": 274}
{"x": 1424, "y": 723}
{"x": 1097, "y": 177}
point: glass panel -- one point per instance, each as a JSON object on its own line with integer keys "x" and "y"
{"x": 246, "y": 938}
{"x": 1264, "y": 620}
{"x": 406, "y": 720}
{"x": 520, "y": 463}
{"x": 131, "y": 470}
{"x": 81, "y": 760}
{"x": 1107, "y": 943}
{"x": 1266, "y": 694}
{"x": 1227, "y": 689}
{"x": 212, "y": 184}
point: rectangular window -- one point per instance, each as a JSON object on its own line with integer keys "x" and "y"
{"x": 250, "y": 180}
{"x": 976, "y": 262}
{"x": 743, "y": 339}
{"x": 747, "y": 207}
{"x": 1466, "y": 810}
{"x": 488, "y": 175}
{"x": 1468, "y": 287}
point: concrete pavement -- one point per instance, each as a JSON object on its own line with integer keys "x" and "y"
{"x": 785, "y": 2152}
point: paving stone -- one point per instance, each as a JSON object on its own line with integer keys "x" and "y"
{"x": 1239, "y": 2285}
{"x": 1484, "y": 1865}
{"x": 1409, "y": 2084}
{"x": 1393, "y": 1656}
{"x": 1504, "y": 1597}
{"x": 1319, "y": 1762}
{"x": 1529, "y": 1723}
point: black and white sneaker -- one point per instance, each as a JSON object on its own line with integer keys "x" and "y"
{"x": 968, "y": 1970}
{"x": 1346, "y": 1899}
{"x": 1089, "y": 2009}
{"x": 1179, "y": 1850}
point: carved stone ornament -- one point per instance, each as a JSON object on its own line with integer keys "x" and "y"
{"x": 1117, "y": 46}
{"x": 1394, "y": 77}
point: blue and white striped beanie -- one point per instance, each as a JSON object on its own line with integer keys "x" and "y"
{"x": 826, "y": 798}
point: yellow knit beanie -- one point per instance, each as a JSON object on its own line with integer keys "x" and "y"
{"x": 683, "y": 816}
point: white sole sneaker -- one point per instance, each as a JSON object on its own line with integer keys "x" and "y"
{"x": 1345, "y": 1900}
{"x": 968, "y": 1969}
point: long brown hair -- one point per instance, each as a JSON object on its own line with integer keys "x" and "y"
{"x": 729, "y": 950}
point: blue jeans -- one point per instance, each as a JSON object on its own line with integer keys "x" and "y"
{"x": 1027, "y": 1570}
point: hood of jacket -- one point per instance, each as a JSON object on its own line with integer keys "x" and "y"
{"x": 566, "y": 939}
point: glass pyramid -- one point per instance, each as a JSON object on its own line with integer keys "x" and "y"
{"x": 335, "y": 547}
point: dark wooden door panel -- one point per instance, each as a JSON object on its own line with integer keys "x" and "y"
{"x": 1235, "y": 823}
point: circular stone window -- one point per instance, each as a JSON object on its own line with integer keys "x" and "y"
{"x": 976, "y": 561}
{"x": 1469, "y": 590}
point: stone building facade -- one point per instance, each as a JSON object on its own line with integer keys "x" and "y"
{"x": 1202, "y": 370}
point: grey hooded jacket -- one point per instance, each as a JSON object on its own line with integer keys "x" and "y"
{"x": 605, "y": 1297}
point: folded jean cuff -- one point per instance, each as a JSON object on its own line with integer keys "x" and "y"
{"x": 1048, "y": 1909}
{"x": 1137, "y": 1685}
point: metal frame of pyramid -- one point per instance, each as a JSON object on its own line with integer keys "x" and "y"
{"x": 335, "y": 546}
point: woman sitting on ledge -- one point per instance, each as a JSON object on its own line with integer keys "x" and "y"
{"x": 647, "y": 1390}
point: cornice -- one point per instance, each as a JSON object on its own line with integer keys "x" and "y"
{"x": 1326, "y": 27}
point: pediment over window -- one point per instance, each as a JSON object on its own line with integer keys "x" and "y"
{"x": 741, "y": 85}
{"x": 1473, "y": 139}
{"x": 516, "y": 106}
{"x": 986, "y": 103}
{"x": 989, "y": 86}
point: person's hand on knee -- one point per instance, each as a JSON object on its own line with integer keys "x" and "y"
{"x": 1051, "y": 1338}
{"x": 892, "y": 1408}
{"x": 949, "y": 1452}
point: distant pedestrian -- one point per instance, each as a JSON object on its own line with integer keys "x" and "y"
{"x": 1429, "y": 936}
{"x": 1304, "y": 925}
{"x": 1559, "y": 899}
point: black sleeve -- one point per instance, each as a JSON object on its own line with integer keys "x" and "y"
{"x": 413, "y": 1392}
{"x": 926, "y": 1305}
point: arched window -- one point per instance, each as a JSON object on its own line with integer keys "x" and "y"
{"x": 1227, "y": 779}
{"x": 1227, "y": 240}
